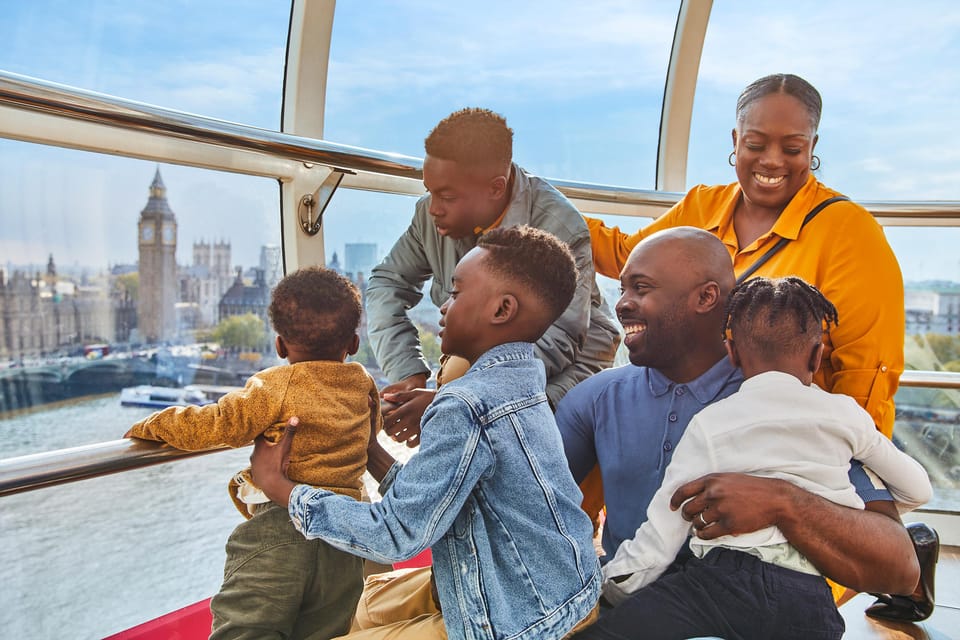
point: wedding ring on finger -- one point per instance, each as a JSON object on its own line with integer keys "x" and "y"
{"x": 702, "y": 520}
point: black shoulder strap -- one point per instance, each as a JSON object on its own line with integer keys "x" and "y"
{"x": 783, "y": 241}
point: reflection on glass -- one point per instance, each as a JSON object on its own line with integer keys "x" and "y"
{"x": 928, "y": 428}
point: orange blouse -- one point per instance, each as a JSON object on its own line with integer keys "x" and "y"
{"x": 842, "y": 251}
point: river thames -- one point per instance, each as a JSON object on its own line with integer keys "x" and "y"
{"x": 92, "y": 558}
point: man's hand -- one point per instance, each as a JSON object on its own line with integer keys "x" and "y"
{"x": 268, "y": 465}
{"x": 723, "y": 504}
{"x": 402, "y": 412}
{"x": 859, "y": 548}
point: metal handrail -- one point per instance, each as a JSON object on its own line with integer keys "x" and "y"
{"x": 40, "y": 96}
{"x": 931, "y": 379}
{"x": 40, "y": 470}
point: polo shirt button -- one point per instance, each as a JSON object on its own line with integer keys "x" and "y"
{"x": 667, "y": 446}
{"x": 672, "y": 417}
{"x": 680, "y": 391}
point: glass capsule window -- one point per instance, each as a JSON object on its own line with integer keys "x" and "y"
{"x": 568, "y": 77}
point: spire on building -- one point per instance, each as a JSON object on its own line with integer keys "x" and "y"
{"x": 157, "y": 188}
{"x": 157, "y": 206}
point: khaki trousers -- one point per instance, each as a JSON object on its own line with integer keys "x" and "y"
{"x": 398, "y": 605}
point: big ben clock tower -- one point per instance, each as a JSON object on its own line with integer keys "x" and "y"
{"x": 157, "y": 233}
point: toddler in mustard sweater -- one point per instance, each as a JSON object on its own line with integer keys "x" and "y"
{"x": 275, "y": 580}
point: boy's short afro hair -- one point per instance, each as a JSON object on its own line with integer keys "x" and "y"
{"x": 536, "y": 260}
{"x": 472, "y": 137}
{"x": 316, "y": 309}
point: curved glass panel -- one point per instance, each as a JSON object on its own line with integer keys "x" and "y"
{"x": 569, "y": 80}
{"x": 179, "y": 55}
{"x": 581, "y": 84}
{"x": 890, "y": 92}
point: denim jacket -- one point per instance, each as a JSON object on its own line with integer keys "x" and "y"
{"x": 580, "y": 343}
{"x": 490, "y": 491}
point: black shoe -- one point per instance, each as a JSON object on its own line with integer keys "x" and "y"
{"x": 919, "y": 605}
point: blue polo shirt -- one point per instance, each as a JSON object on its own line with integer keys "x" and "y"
{"x": 629, "y": 420}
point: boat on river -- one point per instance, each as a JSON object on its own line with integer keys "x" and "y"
{"x": 145, "y": 395}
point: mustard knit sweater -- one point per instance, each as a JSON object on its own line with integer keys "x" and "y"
{"x": 332, "y": 399}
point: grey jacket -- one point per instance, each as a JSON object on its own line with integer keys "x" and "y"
{"x": 580, "y": 343}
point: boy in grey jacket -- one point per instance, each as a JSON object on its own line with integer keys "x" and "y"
{"x": 474, "y": 187}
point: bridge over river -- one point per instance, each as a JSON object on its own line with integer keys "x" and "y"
{"x": 22, "y": 387}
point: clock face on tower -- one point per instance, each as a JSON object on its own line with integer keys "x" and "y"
{"x": 169, "y": 236}
{"x": 146, "y": 233}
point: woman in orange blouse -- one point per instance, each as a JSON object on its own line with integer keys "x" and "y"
{"x": 842, "y": 250}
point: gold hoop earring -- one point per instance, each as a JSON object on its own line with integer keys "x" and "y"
{"x": 814, "y": 163}
{"x": 732, "y": 159}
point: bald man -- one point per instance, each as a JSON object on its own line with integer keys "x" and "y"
{"x": 629, "y": 419}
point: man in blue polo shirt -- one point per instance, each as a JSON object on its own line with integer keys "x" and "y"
{"x": 628, "y": 420}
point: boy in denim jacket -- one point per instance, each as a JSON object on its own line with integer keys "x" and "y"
{"x": 276, "y": 582}
{"x": 490, "y": 490}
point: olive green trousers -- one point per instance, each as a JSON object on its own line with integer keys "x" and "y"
{"x": 278, "y": 584}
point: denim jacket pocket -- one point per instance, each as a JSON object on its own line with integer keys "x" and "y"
{"x": 463, "y": 524}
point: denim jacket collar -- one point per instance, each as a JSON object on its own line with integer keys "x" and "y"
{"x": 504, "y": 353}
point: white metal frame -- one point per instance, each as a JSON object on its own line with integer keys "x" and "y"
{"x": 304, "y": 104}
{"x": 683, "y": 71}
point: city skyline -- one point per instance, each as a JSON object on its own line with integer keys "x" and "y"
{"x": 578, "y": 113}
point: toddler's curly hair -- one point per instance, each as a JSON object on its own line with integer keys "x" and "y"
{"x": 316, "y": 309}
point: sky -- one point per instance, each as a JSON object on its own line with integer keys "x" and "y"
{"x": 580, "y": 83}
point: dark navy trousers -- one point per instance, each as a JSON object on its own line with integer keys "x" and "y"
{"x": 727, "y": 594}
